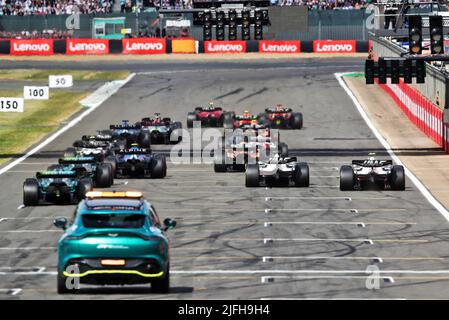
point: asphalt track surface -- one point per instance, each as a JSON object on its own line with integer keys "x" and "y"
{"x": 237, "y": 243}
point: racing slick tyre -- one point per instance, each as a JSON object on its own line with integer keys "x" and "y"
{"x": 144, "y": 139}
{"x": 162, "y": 285}
{"x": 346, "y": 178}
{"x": 70, "y": 152}
{"x": 177, "y": 133}
{"x": 191, "y": 117}
{"x": 283, "y": 150}
{"x": 228, "y": 120}
{"x": 62, "y": 285}
{"x": 296, "y": 120}
{"x": 113, "y": 162}
{"x": 301, "y": 175}
{"x": 159, "y": 168}
{"x": 252, "y": 175}
{"x": 103, "y": 175}
{"x": 84, "y": 186}
{"x": 397, "y": 178}
{"x": 30, "y": 192}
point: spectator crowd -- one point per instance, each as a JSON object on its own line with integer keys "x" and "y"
{"x": 35, "y": 7}
{"x": 45, "y": 34}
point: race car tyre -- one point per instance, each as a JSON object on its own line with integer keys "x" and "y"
{"x": 70, "y": 152}
{"x": 159, "y": 168}
{"x": 397, "y": 178}
{"x": 62, "y": 285}
{"x": 283, "y": 150}
{"x": 296, "y": 120}
{"x": 346, "y": 178}
{"x": 113, "y": 162}
{"x": 191, "y": 117}
{"x": 30, "y": 192}
{"x": 144, "y": 139}
{"x": 84, "y": 186}
{"x": 228, "y": 120}
{"x": 252, "y": 175}
{"x": 103, "y": 175}
{"x": 178, "y": 130}
{"x": 162, "y": 285}
{"x": 301, "y": 175}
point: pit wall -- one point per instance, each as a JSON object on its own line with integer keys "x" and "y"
{"x": 166, "y": 46}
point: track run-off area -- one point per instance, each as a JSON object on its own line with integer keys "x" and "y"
{"x": 233, "y": 242}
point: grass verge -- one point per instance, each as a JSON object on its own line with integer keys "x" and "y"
{"x": 78, "y": 75}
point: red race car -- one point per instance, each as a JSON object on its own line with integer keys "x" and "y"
{"x": 210, "y": 116}
{"x": 281, "y": 117}
{"x": 246, "y": 120}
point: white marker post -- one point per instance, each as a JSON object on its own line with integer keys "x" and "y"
{"x": 11, "y": 104}
{"x": 60, "y": 81}
{"x": 35, "y": 93}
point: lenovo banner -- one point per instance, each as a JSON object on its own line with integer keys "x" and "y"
{"x": 31, "y": 47}
{"x": 224, "y": 46}
{"x": 87, "y": 46}
{"x": 279, "y": 46}
{"x": 144, "y": 46}
{"x": 334, "y": 46}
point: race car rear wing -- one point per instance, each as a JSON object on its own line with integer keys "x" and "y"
{"x": 122, "y": 126}
{"x": 139, "y": 151}
{"x": 56, "y": 174}
{"x": 273, "y": 110}
{"x": 76, "y": 160}
{"x": 372, "y": 163}
{"x": 96, "y": 138}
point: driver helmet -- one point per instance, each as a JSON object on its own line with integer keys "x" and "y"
{"x": 246, "y": 114}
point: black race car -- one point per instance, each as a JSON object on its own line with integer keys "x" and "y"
{"x": 162, "y": 129}
{"x": 141, "y": 163}
{"x": 130, "y": 134}
{"x": 281, "y": 117}
{"x": 365, "y": 174}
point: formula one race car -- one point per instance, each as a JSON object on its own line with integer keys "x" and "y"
{"x": 278, "y": 170}
{"x": 243, "y": 149}
{"x": 131, "y": 134}
{"x": 209, "y": 116}
{"x": 161, "y": 129}
{"x": 281, "y": 117}
{"x": 101, "y": 174}
{"x": 142, "y": 163}
{"x": 233, "y": 121}
{"x": 93, "y": 146}
{"x": 106, "y": 223}
{"x": 55, "y": 186}
{"x": 363, "y": 174}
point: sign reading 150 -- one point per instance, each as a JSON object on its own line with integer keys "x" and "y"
{"x": 11, "y": 105}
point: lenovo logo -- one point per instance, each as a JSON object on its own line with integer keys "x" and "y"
{"x": 77, "y": 47}
{"x": 279, "y": 46}
{"x": 31, "y": 47}
{"x": 334, "y": 46}
{"x": 24, "y": 47}
{"x": 225, "y": 47}
{"x": 147, "y": 46}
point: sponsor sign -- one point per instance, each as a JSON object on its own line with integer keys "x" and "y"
{"x": 183, "y": 46}
{"x": 224, "y": 46}
{"x": 144, "y": 46}
{"x": 87, "y": 46}
{"x": 31, "y": 47}
{"x": 279, "y": 46}
{"x": 35, "y": 93}
{"x": 11, "y": 104}
{"x": 334, "y": 46}
{"x": 60, "y": 81}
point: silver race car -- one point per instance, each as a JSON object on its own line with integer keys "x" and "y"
{"x": 364, "y": 174}
{"x": 278, "y": 170}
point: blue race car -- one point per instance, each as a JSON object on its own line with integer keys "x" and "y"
{"x": 116, "y": 238}
{"x": 131, "y": 134}
{"x": 55, "y": 186}
{"x": 102, "y": 174}
{"x": 141, "y": 163}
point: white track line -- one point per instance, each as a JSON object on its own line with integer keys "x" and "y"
{"x": 438, "y": 206}
{"x": 55, "y": 135}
